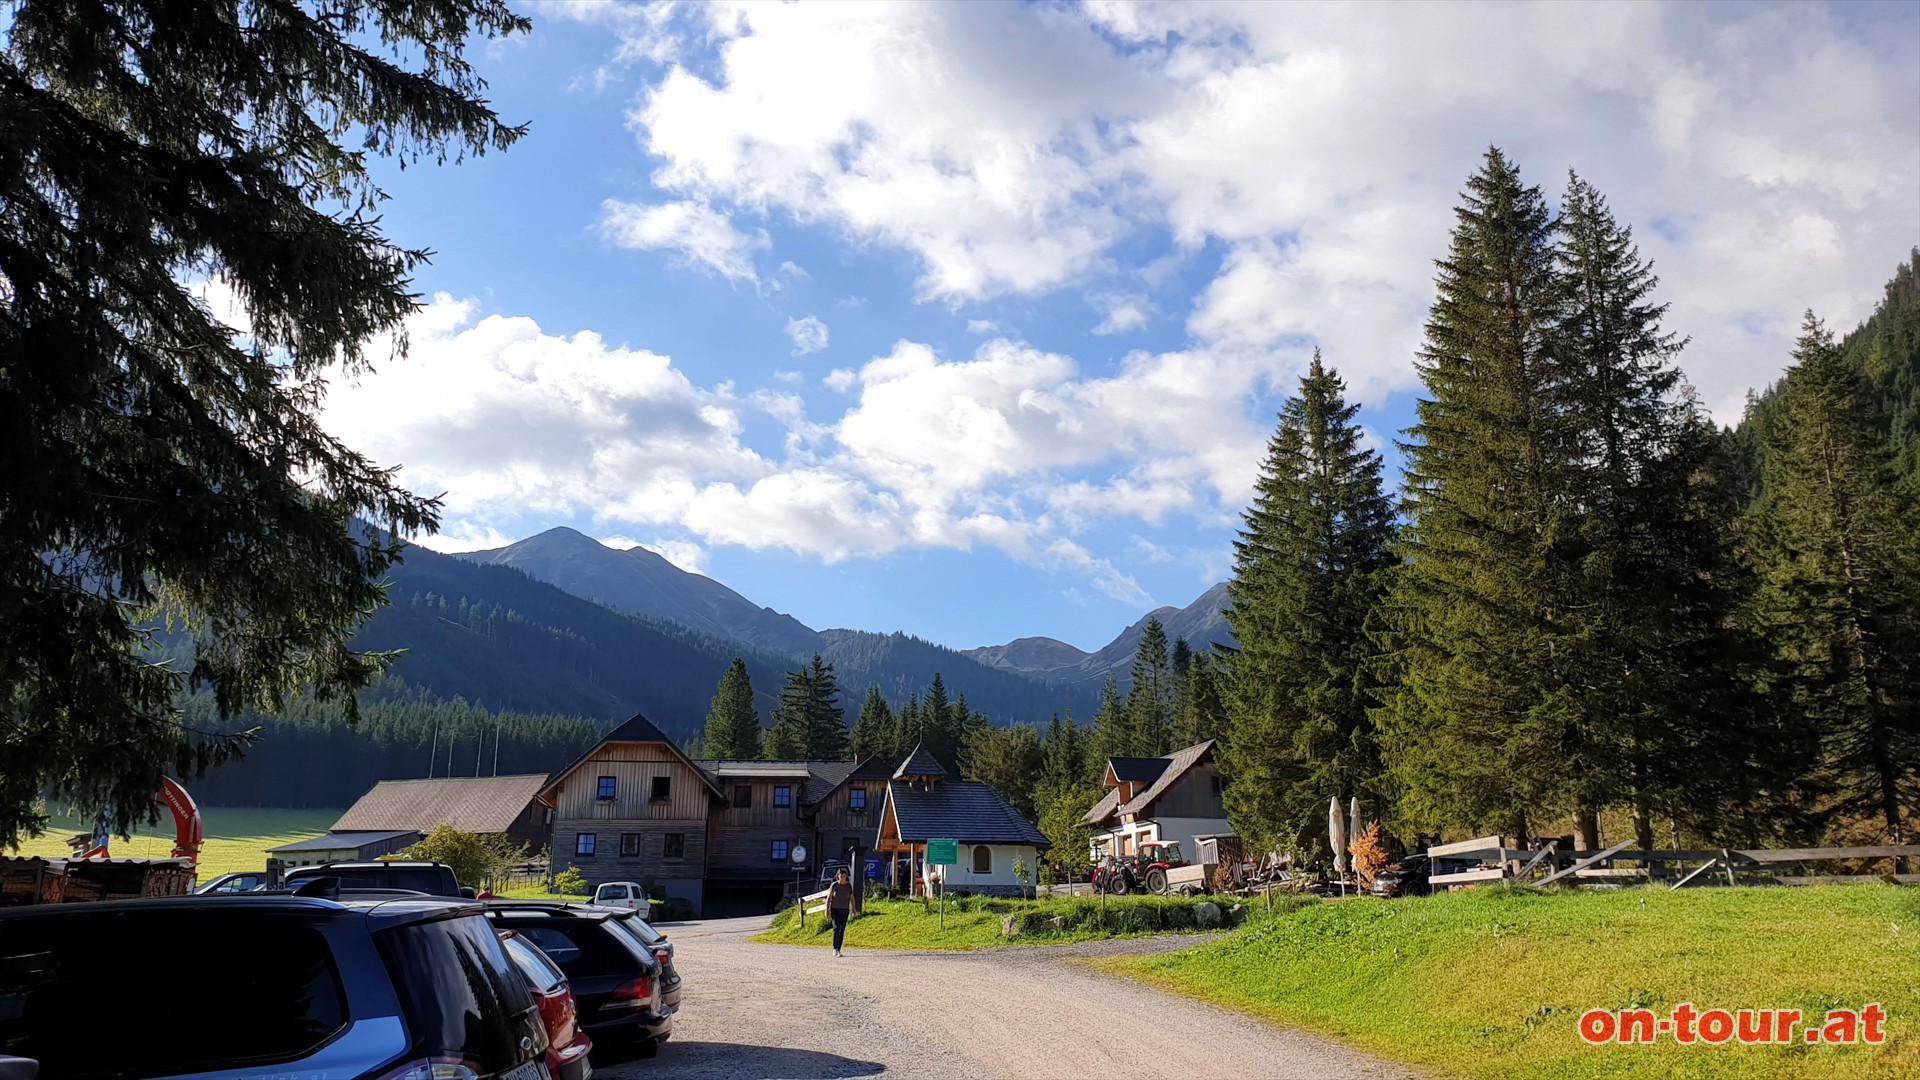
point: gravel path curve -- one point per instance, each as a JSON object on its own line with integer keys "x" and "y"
{"x": 785, "y": 1012}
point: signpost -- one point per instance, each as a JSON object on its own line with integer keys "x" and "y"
{"x": 943, "y": 853}
{"x": 798, "y": 854}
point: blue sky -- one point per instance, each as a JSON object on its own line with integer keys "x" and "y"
{"x": 971, "y": 320}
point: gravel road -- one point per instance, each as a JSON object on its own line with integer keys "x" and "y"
{"x": 784, "y": 1012}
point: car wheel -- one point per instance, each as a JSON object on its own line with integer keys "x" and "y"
{"x": 647, "y": 1049}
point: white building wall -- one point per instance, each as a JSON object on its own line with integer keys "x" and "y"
{"x": 1181, "y": 829}
{"x": 1185, "y": 829}
{"x": 961, "y": 875}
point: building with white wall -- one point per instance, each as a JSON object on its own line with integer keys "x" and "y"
{"x": 1176, "y": 797}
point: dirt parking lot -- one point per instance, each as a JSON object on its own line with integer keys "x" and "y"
{"x": 777, "y": 1012}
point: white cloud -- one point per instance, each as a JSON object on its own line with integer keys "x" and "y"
{"x": 703, "y": 235}
{"x": 1766, "y": 154}
{"x": 1123, "y": 314}
{"x": 789, "y": 377}
{"x": 982, "y": 326}
{"x": 516, "y": 424}
{"x": 809, "y": 335}
{"x": 840, "y": 380}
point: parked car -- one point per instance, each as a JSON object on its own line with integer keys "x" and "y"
{"x": 662, "y": 949}
{"x": 256, "y": 984}
{"x": 567, "y": 1044}
{"x": 1408, "y": 877}
{"x": 621, "y": 894}
{"x": 432, "y": 878}
{"x": 243, "y": 881}
{"x": 650, "y": 939}
{"x": 618, "y": 984}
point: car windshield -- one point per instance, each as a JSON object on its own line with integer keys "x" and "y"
{"x": 268, "y": 976}
{"x": 460, "y": 994}
{"x": 1166, "y": 853}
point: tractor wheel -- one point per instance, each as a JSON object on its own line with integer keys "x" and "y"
{"x": 1157, "y": 881}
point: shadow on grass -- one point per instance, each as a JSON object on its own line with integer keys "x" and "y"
{"x": 694, "y": 1060}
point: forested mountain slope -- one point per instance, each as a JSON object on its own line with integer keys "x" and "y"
{"x": 644, "y": 583}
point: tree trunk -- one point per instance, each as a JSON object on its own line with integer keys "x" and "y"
{"x": 1586, "y": 828}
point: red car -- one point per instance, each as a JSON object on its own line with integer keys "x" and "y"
{"x": 567, "y": 1045}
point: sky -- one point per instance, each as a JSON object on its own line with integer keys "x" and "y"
{"x": 972, "y": 320}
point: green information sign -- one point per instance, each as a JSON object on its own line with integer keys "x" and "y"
{"x": 943, "y": 852}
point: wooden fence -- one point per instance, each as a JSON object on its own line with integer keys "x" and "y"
{"x": 1488, "y": 860}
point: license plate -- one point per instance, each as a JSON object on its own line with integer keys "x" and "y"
{"x": 532, "y": 1070}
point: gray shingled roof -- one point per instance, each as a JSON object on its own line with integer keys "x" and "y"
{"x": 1103, "y": 809}
{"x": 337, "y": 841}
{"x": 824, "y": 776}
{"x": 478, "y": 804}
{"x": 963, "y": 810}
{"x": 920, "y": 763}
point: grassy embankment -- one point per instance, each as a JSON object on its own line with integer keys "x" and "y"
{"x": 1491, "y": 983}
{"x": 236, "y": 838}
{"x": 974, "y": 922}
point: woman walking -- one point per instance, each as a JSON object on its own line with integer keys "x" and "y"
{"x": 839, "y": 907}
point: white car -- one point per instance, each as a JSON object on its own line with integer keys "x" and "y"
{"x": 626, "y": 895}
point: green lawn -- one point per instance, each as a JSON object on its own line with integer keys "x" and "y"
{"x": 1491, "y": 983}
{"x": 237, "y": 838}
{"x": 974, "y": 922}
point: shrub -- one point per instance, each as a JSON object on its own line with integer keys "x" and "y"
{"x": 570, "y": 882}
{"x": 1177, "y": 917}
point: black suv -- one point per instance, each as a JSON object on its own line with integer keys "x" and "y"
{"x": 408, "y": 988}
{"x": 640, "y": 929}
{"x": 618, "y": 984}
{"x": 432, "y": 878}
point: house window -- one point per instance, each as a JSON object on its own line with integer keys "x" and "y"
{"x": 783, "y": 796}
{"x": 662, "y": 788}
{"x": 675, "y": 846}
{"x": 742, "y": 796}
{"x": 629, "y": 844}
{"x": 983, "y": 859}
{"x": 857, "y": 799}
{"x": 779, "y": 851}
{"x": 1216, "y": 785}
{"x": 606, "y": 788}
{"x": 583, "y": 843}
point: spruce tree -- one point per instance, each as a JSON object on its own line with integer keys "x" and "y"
{"x": 873, "y": 732}
{"x": 1482, "y": 720}
{"x": 1112, "y": 724}
{"x": 1310, "y": 567}
{"x": 787, "y": 739}
{"x": 733, "y": 724}
{"x": 1669, "y": 715}
{"x": 1150, "y": 697}
{"x": 159, "y": 466}
{"x": 908, "y": 728}
{"x": 1833, "y": 540}
{"x": 826, "y": 720}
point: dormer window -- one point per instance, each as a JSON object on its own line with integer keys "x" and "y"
{"x": 606, "y": 788}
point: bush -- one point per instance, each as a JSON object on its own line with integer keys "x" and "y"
{"x": 570, "y": 882}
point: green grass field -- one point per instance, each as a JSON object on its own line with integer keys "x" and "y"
{"x": 974, "y": 922}
{"x": 237, "y": 838}
{"x": 1491, "y": 983}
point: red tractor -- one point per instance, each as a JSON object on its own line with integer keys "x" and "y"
{"x": 1144, "y": 872}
